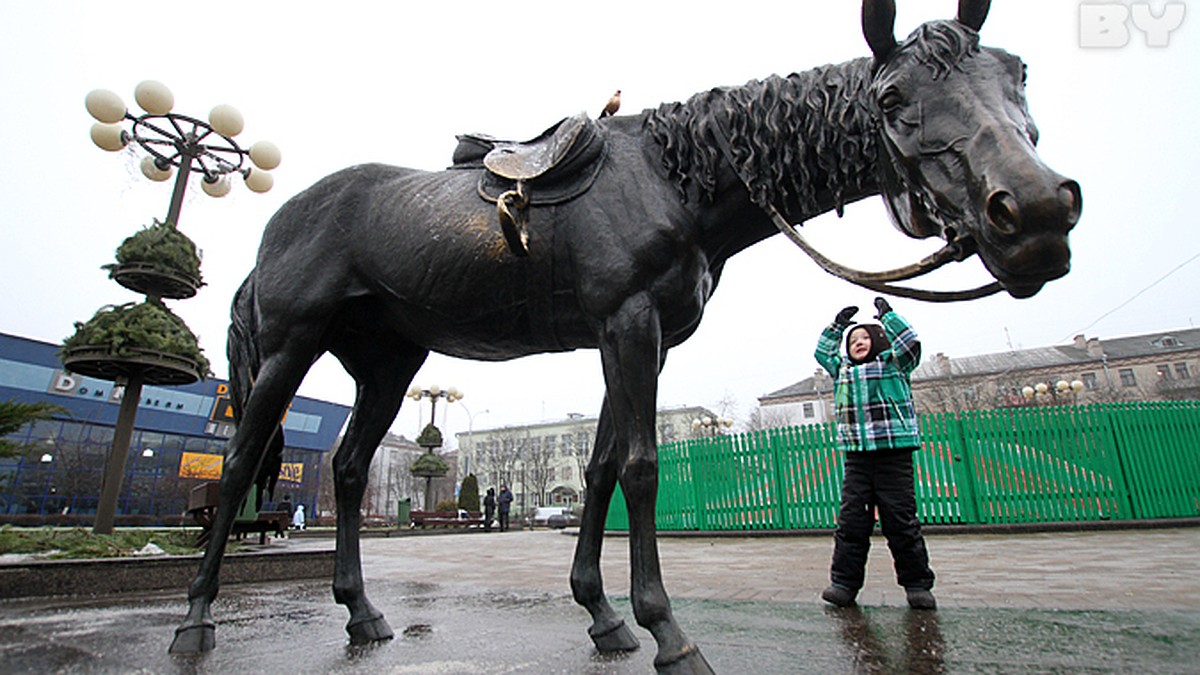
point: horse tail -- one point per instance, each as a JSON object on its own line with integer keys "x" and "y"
{"x": 245, "y": 360}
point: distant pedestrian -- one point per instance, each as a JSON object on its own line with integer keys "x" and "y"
{"x": 877, "y": 430}
{"x": 287, "y": 506}
{"x": 298, "y": 518}
{"x": 489, "y": 509}
{"x": 504, "y": 501}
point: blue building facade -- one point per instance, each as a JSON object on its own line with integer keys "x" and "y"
{"x": 178, "y": 441}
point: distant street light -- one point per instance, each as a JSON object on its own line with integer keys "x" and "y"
{"x": 711, "y": 426}
{"x": 1043, "y": 393}
{"x": 469, "y": 455}
{"x": 433, "y": 393}
{"x": 429, "y": 466}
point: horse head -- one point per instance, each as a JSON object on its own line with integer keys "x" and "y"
{"x": 957, "y": 148}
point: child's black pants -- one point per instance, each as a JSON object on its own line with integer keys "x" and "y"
{"x": 884, "y": 480}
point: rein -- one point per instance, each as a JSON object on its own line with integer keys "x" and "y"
{"x": 875, "y": 281}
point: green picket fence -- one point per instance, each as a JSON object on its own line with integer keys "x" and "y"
{"x": 1046, "y": 464}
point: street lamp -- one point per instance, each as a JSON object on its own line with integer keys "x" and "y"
{"x": 430, "y": 466}
{"x": 470, "y": 454}
{"x": 173, "y": 142}
{"x": 176, "y": 141}
{"x": 1043, "y": 392}
{"x": 711, "y": 426}
{"x": 433, "y": 393}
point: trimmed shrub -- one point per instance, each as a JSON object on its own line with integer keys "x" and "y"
{"x": 146, "y": 325}
{"x": 468, "y": 494}
{"x": 161, "y": 246}
{"x": 430, "y": 437}
{"x": 429, "y": 464}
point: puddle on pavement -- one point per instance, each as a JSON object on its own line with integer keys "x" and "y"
{"x": 298, "y": 627}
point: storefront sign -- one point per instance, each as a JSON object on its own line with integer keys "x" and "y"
{"x": 201, "y": 465}
{"x": 292, "y": 472}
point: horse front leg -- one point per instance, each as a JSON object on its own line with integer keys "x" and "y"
{"x": 198, "y": 632}
{"x": 631, "y": 350}
{"x": 608, "y": 630}
{"x": 266, "y": 405}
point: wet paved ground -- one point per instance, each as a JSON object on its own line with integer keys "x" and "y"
{"x": 1126, "y": 601}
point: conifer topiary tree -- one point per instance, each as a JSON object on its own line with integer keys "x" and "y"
{"x": 468, "y": 494}
{"x": 162, "y": 247}
{"x": 147, "y": 325}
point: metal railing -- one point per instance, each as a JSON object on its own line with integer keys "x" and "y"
{"x": 1044, "y": 464}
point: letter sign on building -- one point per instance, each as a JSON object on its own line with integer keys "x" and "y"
{"x": 222, "y": 410}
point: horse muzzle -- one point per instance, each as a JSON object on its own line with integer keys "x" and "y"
{"x": 1023, "y": 268}
{"x": 1023, "y": 240}
{"x": 1006, "y": 216}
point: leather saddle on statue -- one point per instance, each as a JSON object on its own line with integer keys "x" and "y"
{"x": 558, "y": 165}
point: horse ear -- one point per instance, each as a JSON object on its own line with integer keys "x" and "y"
{"x": 971, "y": 13}
{"x": 878, "y": 22}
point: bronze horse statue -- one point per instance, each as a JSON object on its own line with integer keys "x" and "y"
{"x": 381, "y": 265}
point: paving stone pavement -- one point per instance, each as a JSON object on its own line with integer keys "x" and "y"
{"x": 1111, "y": 601}
{"x": 1103, "y": 570}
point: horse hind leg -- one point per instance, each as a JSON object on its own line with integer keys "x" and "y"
{"x": 383, "y": 376}
{"x": 277, "y": 382}
{"x": 608, "y": 630}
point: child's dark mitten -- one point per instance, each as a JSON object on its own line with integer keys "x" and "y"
{"x": 845, "y": 316}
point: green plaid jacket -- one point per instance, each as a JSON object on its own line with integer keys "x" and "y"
{"x": 873, "y": 401}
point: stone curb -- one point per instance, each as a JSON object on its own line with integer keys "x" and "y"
{"x": 124, "y": 575}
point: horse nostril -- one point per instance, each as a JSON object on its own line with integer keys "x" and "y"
{"x": 1004, "y": 213}
{"x": 1071, "y": 199}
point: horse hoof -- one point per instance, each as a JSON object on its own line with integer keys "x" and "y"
{"x": 369, "y": 630}
{"x": 689, "y": 661}
{"x": 615, "y": 638}
{"x": 194, "y": 639}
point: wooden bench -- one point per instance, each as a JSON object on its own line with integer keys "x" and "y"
{"x": 264, "y": 522}
{"x": 423, "y": 519}
{"x": 202, "y": 507}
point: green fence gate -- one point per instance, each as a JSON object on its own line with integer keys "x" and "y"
{"x": 1022, "y": 465}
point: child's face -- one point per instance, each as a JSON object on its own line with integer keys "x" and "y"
{"x": 860, "y": 344}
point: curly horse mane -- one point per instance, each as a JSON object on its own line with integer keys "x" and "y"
{"x": 798, "y": 137}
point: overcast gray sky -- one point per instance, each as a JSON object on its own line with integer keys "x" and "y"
{"x": 335, "y": 84}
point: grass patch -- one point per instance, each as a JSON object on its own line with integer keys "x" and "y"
{"x": 75, "y": 543}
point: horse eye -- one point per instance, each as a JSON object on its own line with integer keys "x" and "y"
{"x": 890, "y": 100}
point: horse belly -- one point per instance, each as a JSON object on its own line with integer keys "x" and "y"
{"x": 461, "y": 292}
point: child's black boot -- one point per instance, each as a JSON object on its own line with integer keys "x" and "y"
{"x": 921, "y": 598}
{"x": 839, "y": 595}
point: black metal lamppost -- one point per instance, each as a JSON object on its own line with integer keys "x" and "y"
{"x": 1044, "y": 394}
{"x": 173, "y": 142}
{"x": 710, "y": 426}
{"x": 430, "y": 465}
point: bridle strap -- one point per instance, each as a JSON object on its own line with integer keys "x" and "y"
{"x": 876, "y": 281}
